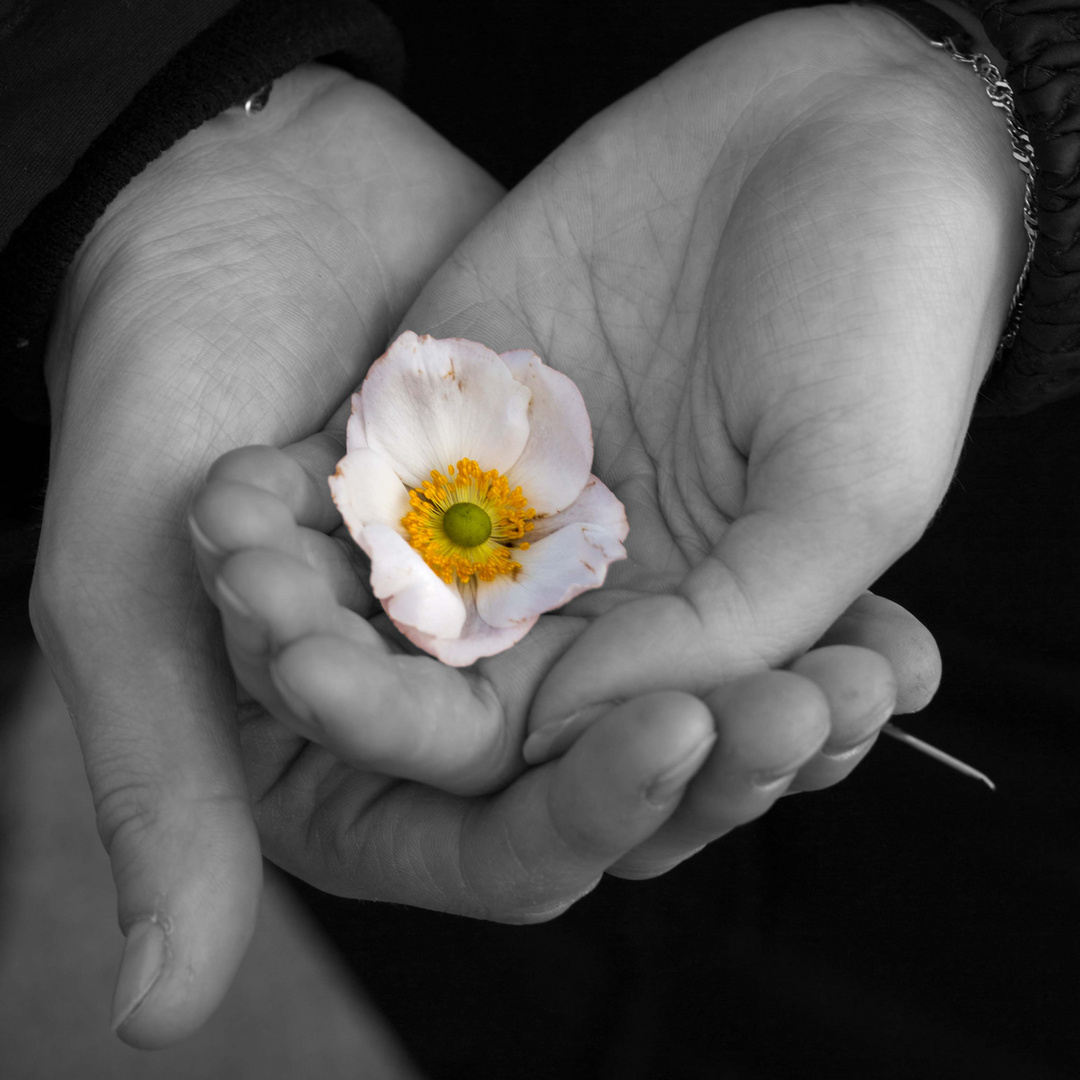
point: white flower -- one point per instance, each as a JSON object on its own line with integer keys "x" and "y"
{"x": 466, "y": 480}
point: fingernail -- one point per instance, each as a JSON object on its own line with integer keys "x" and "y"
{"x": 768, "y": 782}
{"x": 771, "y": 779}
{"x": 295, "y": 704}
{"x": 671, "y": 781}
{"x": 843, "y": 753}
{"x": 554, "y": 738}
{"x": 246, "y": 630}
{"x": 201, "y": 540}
{"x": 874, "y": 722}
{"x": 141, "y": 965}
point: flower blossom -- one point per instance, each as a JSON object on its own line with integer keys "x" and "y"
{"x": 467, "y": 482}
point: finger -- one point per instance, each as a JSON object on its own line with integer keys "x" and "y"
{"x": 860, "y": 688}
{"x": 149, "y": 698}
{"x": 768, "y": 726}
{"x": 332, "y": 678}
{"x": 268, "y": 600}
{"x": 875, "y": 623}
{"x": 226, "y": 517}
{"x": 405, "y": 716}
{"x": 524, "y": 855}
{"x": 229, "y": 516}
{"x": 296, "y": 475}
{"x": 288, "y": 488}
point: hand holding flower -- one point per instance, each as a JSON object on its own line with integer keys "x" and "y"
{"x": 301, "y": 633}
{"x": 777, "y": 289}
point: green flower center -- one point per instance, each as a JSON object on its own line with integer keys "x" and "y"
{"x": 466, "y": 524}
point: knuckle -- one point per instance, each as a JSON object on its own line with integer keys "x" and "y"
{"x": 129, "y": 814}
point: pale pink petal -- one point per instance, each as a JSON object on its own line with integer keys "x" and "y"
{"x": 596, "y": 505}
{"x": 366, "y": 490}
{"x": 477, "y": 639}
{"x": 553, "y": 571}
{"x": 355, "y": 436}
{"x": 412, "y": 594}
{"x": 428, "y": 403}
{"x": 556, "y": 460}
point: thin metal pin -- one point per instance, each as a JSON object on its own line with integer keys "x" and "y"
{"x": 938, "y": 755}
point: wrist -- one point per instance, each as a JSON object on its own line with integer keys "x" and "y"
{"x": 971, "y": 24}
{"x": 988, "y": 129}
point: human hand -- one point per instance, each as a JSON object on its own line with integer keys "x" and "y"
{"x": 777, "y": 274}
{"x": 385, "y": 775}
{"x": 227, "y": 296}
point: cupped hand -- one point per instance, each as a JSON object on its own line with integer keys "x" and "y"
{"x": 777, "y": 273}
{"x": 379, "y": 772}
{"x": 231, "y": 294}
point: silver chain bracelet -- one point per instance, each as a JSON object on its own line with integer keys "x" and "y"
{"x": 1000, "y": 94}
{"x": 1001, "y": 97}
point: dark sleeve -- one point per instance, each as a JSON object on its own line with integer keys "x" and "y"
{"x": 91, "y": 92}
{"x": 1040, "y": 40}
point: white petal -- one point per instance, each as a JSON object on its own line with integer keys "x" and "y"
{"x": 412, "y": 594}
{"x": 553, "y": 571}
{"x": 477, "y": 639}
{"x": 556, "y": 460}
{"x": 355, "y": 436}
{"x": 428, "y": 403}
{"x": 596, "y": 505}
{"x": 366, "y": 489}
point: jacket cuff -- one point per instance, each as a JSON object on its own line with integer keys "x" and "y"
{"x": 256, "y": 42}
{"x": 1041, "y": 45}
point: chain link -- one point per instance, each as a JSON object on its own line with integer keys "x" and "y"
{"x": 1001, "y": 96}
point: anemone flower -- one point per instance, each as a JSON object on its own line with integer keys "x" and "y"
{"x": 466, "y": 481}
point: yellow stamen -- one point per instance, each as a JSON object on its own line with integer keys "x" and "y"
{"x": 488, "y": 492}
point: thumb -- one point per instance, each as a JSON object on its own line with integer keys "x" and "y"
{"x": 139, "y": 666}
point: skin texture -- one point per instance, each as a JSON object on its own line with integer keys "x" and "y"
{"x": 765, "y": 275}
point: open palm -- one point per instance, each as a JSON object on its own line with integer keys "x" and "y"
{"x": 777, "y": 274}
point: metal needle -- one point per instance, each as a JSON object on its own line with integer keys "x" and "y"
{"x": 939, "y": 755}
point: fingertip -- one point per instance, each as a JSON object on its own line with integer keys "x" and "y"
{"x": 620, "y": 780}
{"x": 885, "y": 627}
{"x": 247, "y": 465}
{"x": 859, "y": 685}
{"x": 232, "y": 516}
{"x": 181, "y": 954}
{"x": 768, "y": 725}
{"x": 295, "y": 475}
{"x": 771, "y": 722}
